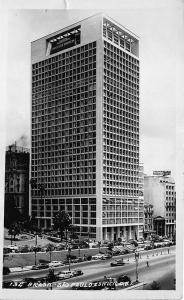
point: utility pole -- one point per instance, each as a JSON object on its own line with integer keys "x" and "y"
{"x": 136, "y": 265}
{"x": 69, "y": 252}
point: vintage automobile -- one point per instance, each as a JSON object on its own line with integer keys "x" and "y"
{"x": 55, "y": 263}
{"x": 124, "y": 278}
{"x": 116, "y": 263}
{"x": 40, "y": 266}
{"x": 77, "y": 273}
{"x": 65, "y": 275}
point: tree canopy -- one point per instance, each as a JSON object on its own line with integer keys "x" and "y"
{"x": 62, "y": 222}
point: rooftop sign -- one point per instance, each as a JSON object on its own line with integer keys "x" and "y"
{"x": 162, "y": 173}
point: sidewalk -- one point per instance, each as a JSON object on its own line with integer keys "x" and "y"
{"x": 128, "y": 258}
{"x": 20, "y": 269}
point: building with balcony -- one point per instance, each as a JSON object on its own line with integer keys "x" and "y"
{"x": 85, "y": 128}
{"x": 159, "y": 191}
{"x": 148, "y": 220}
{"x": 16, "y": 181}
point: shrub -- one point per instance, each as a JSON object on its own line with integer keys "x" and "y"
{"x": 110, "y": 246}
{"x": 155, "y": 285}
{"x": 71, "y": 256}
{"x": 89, "y": 257}
{"x": 24, "y": 249}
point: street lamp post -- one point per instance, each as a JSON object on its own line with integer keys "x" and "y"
{"x": 136, "y": 265}
{"x": 88, "y": 238}
{"x": 69, "y": 252}
{"x": 79, "y": 250}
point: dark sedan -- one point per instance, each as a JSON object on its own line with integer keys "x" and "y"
{"x": 40, "y": 266}
{"x": 77, "y": 273}
{"x": 116, "y": 263}
{"x": 124, "y": 278}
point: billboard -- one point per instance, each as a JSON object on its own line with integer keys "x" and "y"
{"x": 162, "y": 173}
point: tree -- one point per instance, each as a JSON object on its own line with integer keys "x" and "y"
{"x": 62, "y": 223}
{"x": 36, "y": 249}
{"x": 99, "y": 245}
{"x": 110, "y": 246}
{"x": 73, "y": 229}
{"x": 12, "y": 213}
{"x": 155, "y": 285}
{"x": 14, "y": 230}
{"x": 50, "y": 248}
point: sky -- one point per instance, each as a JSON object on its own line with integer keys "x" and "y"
{"x": 159, "y": 26}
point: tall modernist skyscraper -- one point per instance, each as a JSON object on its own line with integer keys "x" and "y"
{"x": 85, "y": 128}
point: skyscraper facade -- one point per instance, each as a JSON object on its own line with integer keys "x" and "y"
{"x": 85, "y": 128}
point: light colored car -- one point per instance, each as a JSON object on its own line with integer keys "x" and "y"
{"x": 56, "y": 263}
{"x": 12, "y": 247}
{"x": 139, "y": 249}
{"x": 65, "y": 275}
{"x": 98, "y": 256}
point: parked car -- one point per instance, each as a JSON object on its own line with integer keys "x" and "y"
{"x": 148, "y": 247}
{"x": 116, "y": 263}
{"x": 6, "y": 270}
{"x": 139, "y": 249}
{"x": 98, "y": 256}
{"x": 6, "y": 250}
{"x": 77, "y": 273}
{"x": 107, "y": 256}
{"x": 12, "y": 247}
{"x": 40, "y": 266}
{"x": 55, "y": 263}
{"x": 116, "y": 252}
{"x": 61, "y": 246}
{"x": 65, "y": 275}
{"x": 76, "y": 260}
{"x": 74, "y": 246}
{"x": 124, "y": 278}
{"x": 124, "y": 251}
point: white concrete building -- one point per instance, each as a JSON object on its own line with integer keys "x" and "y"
{"x": 85, "y": 128}
{"x": 159, "y": 190}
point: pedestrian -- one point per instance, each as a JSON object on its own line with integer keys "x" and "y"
{"x": 147, "y": 263}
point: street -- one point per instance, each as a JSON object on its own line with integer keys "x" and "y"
{"x": 160, "y": 263}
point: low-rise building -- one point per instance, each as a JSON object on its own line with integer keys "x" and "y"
{"x": 159, "y": 191}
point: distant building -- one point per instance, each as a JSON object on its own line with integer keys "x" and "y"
{"x": 159, "y": 191}
{"x": 148, "y": 220}
{"x": 16, "y": 181}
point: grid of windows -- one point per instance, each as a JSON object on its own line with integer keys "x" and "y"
{"x": 121, "y": 122}
{"x": 170, "y": 204}
{"x": 81, "y": 210}
{"x": 64, "y": 122}
{"x": 122, "y": 211}
{"x": 119, "y": 37}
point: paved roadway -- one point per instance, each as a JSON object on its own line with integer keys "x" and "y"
{"x": 161, "y": 262}
{"x": 159, "y": 267}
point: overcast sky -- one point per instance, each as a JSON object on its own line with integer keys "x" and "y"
{"x": 161, "y": 37}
